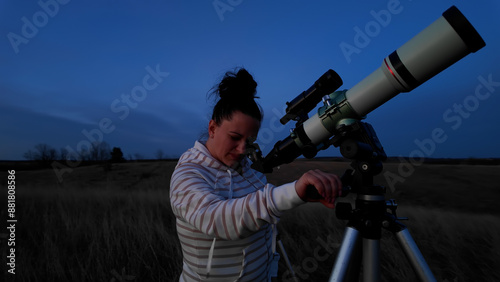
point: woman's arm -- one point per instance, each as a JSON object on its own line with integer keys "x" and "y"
{"x": 195, "y": 201}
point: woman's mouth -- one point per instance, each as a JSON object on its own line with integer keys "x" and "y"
{"x": 235, "y": 157}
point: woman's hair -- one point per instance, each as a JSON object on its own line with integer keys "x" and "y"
{"x": 235, "y": 92}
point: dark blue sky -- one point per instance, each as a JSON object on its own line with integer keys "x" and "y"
{"x": 136, "y": 73}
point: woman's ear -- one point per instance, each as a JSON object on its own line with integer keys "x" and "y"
{"x": 212, "y": 125}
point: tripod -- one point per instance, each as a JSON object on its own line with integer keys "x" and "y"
{"x": 361, "y": 242}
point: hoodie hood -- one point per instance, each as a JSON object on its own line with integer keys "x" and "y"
{"x": 201, "y": 155}
{"x": 225, "y": 177}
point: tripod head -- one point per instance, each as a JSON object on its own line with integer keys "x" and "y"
{"x": 359, "y": 143}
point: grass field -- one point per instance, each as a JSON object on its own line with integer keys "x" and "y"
{"x": 117, "y": 225}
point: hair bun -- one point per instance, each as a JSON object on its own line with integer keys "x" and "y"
{"x": 235, "y": 92}
{"x": 240, "y": 85}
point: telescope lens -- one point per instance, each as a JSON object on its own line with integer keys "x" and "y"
{"x": 464, "y": 28}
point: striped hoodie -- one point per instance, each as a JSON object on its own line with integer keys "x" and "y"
{"x": 226, "y": 220}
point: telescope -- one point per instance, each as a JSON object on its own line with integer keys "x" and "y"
{"x": 444, "y": 42}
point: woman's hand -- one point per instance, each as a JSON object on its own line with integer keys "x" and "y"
{"x": 328, "y": 187}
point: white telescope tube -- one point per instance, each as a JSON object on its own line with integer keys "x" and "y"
{"x": 441, "y": 44}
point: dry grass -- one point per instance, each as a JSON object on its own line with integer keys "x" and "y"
{"x": 457, "y": 246}
{"x": 118, "y": 226}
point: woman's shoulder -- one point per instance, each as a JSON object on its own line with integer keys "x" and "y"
{"x": 197, "y": 159}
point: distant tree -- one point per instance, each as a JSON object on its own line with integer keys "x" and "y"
{"x": 84, "y": 154}
{"x": 159, "y": 154}
{"x": 43, "y": 153}
{"x": 94, "y": 151}
{"x": 29, "y": 155}
{"x": 117, "y": 155}
{"x": 138, "y": 156}
{"x": 105, "y": 151}
{"x": 63, "y": 154}
{"x": 100, "y": 151}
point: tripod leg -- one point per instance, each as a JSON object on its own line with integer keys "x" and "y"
{"x": 346, "y": 256}
{"x": 287, "y": 260}
{"x": 414, "y": 255}
{"x": 371, "y": 260}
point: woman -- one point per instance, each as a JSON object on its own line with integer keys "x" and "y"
{"x": 227, "y": 212}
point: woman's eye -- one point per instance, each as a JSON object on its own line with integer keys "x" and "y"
{"x": 235, "y": 138}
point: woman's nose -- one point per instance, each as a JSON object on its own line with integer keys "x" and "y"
{"x": 240, "y": 149}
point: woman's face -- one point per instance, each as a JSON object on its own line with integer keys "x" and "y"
{"x": 227, "y": 142}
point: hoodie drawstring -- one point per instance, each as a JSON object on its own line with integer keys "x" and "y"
{"x": 212, "y": 247}
{"x": 210, "y": 256}
{"x": 230, "y": 196}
